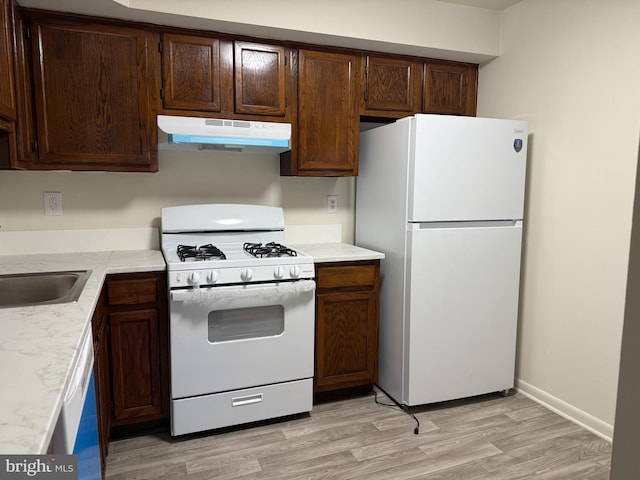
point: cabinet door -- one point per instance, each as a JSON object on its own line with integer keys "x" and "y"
{"x": 135, "y": 359}
{"x": 103, "y": 396}
{"x": 347, "y": 310}
{"x": 26, "y": 154}
{"x": 7, "y": 85}
{"x": 391, "y": 87}
{"x": 139, "y": 350}
{"x": 102, "y": 377}
{"x": 8, "y": 146}
{"x": 92, "y": 102}
{"x": 450, "y": 88}
{"x": 346, "y": 346}
{"x": 191, "y": 72}
{"x": 260, "y": 79}
{"x": 326, "y": 141}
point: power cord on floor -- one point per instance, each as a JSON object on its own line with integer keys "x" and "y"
{"x": 404, "y": 408}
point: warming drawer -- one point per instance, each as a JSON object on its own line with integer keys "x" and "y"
{"x": 218, "y": 410}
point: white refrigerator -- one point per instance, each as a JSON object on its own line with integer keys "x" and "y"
{"x": 443, "y": 197}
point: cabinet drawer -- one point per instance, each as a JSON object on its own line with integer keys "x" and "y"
{"x": 132, "y": 291}
{"x": 346, "y": 276}
{"x": 236, "y": 407}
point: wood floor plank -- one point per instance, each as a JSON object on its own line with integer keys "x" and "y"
{"x": 383, "y": 463}
{"x": 218, "y": 469}
{"x": 577, "y": 470}
{"x": 528, "y": 412}
{"x": 150, "y": 472}
{"x": 590, "y": 446}
{"x": 467, "y": 471}
{"x": 537, "y": 435}
{"x": 434, "y": 463}
{"x": 552, "y": 461}
{"x": 488, "y": 437}
{"x": 341, "y": 459}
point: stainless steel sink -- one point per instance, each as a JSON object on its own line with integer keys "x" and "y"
{"x": 31, "y": 289}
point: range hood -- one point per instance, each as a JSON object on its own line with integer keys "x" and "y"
{"x": 213, "y": 134}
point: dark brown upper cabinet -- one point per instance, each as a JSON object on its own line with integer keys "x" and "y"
{"x": 26, "y": 154}
{"x": 219, "y": 77}
{"x": 325, "y": 136}
{"x": 8, "y": 147}
{"x": 93, "y": 109}
{"x": 8, "y": 112}
{"x": 450, "y": 88}
{"x": 81, "y": 93}
{"x": 260, "y": 74}
{"x": 191, "y": 73}
{"x": 391, "y": 87}
{"x": 7, "y": 80}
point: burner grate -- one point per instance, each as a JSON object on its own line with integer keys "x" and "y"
{"x": 204, "y": 252}
{"x": 271, "y": 249}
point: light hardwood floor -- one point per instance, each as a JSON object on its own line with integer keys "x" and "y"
{"x": 488, "y": 437}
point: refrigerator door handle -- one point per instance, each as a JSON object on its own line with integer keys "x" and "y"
{"x": 464, "y": 224}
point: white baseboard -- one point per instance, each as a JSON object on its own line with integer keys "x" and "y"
{"x": 566, "y": 410}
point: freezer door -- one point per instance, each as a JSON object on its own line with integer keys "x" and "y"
{"x": 467, "y": 168}
{"x": 462, "y": 310}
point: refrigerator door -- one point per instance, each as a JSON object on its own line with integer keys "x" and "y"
{"x": 462, "y": 310}
{"x": 466, "y": 168}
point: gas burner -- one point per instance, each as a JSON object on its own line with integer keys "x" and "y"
{"x": 271, "y": 249}
{"x": 204, "y": 252}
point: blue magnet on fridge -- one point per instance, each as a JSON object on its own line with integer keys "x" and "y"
{"x": 517, "y": 144}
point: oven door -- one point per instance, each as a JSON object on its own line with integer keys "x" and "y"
{"x": 233, "y": 337}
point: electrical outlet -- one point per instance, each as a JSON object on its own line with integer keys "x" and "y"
{"x": 332, "y": 204}
{"x": 53, "y": 203}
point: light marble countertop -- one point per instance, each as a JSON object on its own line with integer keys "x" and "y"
{"x": 39, "y": 345}
{"x": 337, "y": 252}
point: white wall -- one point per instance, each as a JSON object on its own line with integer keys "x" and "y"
{"x": 418, "y": 27}
{"x": 418, "y": 23}
{"x": 572, "y": 69}
{"x": 127, "y": 200}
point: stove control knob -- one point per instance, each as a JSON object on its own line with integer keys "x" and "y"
{"x": 246, "y": 275}
{"x": 278, "y": 272}
{"x": 212, "y": 277}
{"x": 295, "y": 271}
{"x": 194, "y": 278}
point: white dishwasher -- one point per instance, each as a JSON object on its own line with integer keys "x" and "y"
{"x": 77, "y": 429}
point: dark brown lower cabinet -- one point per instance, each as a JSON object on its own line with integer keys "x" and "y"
{"x": 131, "y": 352}
{"x": 137, "y": 318}
{"x": 137, "y": 383}
{"x": 347, "y": 315}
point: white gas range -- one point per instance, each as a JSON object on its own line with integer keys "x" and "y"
{"x": 241, "y": 313}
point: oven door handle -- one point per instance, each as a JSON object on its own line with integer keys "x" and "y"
{"x": 270, "y": 290}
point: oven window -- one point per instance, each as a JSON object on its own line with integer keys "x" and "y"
{"x": 245, "y": 323}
